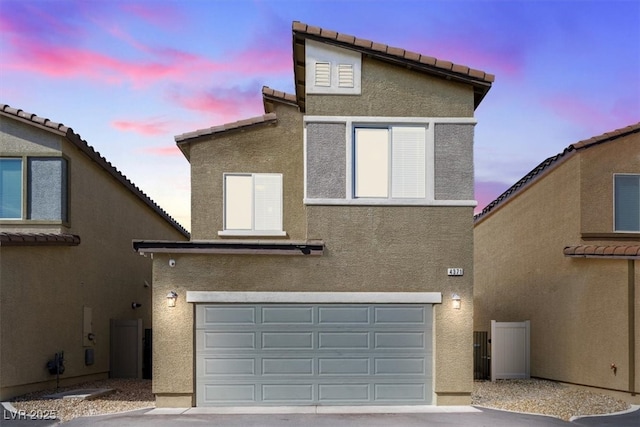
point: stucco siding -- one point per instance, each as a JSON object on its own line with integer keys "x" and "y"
{"x": 271, "y": 149}
{"x": 598, "y": 164}
{"x": 326, "y": 160}
{"x": 453, "y": 162}
{"x": 44, "y": 289}
{"x": 389, "y": 90}
{"x": 577, "y": 307}
{"x": 368, "y": 249}
{"x": 18, "y": 138}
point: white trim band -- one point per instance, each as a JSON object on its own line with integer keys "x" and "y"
{"x": 316, "y": 297}
{"x": 391, "y": 202}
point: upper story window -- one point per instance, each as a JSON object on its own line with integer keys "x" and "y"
{"x": 41, "y": 182}
{"x": 627, "y": 202}
{"x": 253, "y": 204}
{"x": 11, "y": 188}
{"x": 390, "y": 162}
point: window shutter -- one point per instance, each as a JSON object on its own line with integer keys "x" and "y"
{"x": 371, "y": 162}
{"x": 408, "y": 162}
{"x": 238, "y": 202}
{"x": 627, "y": 202}
{"x": 11, "y": 188}
{"x": 323, "y": 74}
{"x": 345, "y": 75}
{"x": 268, "y": 201}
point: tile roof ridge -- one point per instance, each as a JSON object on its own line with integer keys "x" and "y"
{"x": 552, "y": 161}
{"x": 94, "y": 155}
{"x": 273, "y": 93}
{"x": 391, "y": 51}
{"x": 241, "y": 124}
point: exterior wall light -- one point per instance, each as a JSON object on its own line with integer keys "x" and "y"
{"x": 171, "y": 299}
{"x": 455, "y": 298}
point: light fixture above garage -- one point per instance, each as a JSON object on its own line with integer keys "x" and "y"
{"x": 455, "y": 298}
{"x": 171, "y": 299}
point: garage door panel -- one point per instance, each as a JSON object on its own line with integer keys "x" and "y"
{"x": 343, "y": 315}
{"x": 287, "y": 366}
{"x": 281, "y": 393}
{"x": 347, "y": 355}
{"x": 399, "y": 340}
{"x": 227, "y": 341}
{"x": 414, "y": 315}
{"x": 226, "y": 366}
{"x": 287, "y": 340}
{"x": 336, "y": 393}
{"x": 287, "y": 315}
{"x": 343, "y": 365}
{"x": 400, "y": 392}
{"x": 343, "y": 340}
{"x": 213, "y": 316}
{"x": 400, "y": 366}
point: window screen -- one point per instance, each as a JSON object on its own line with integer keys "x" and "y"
{"x": 627, "y": 202}
{"x": 10, "y": 188}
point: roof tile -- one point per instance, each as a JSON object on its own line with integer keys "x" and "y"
{"x": 38, "y": 239}
{"x": 603, "y": 251}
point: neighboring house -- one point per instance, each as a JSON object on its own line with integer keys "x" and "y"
{"x": 67, "y": 219}
{"x": 561, "y": 248}
{"x": 323, "y": 230}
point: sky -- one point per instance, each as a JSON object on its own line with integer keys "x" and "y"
{"x": 128, "y": 76}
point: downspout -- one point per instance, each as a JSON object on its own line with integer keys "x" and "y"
{"x": 631, "y": 298}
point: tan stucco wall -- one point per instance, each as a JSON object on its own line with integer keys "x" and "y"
{"x": 272, "y": 149}
{"x": 577, "y": 307}
{"x": 43, "y": 289}
{"x": 389, "y": 90}
{"x": 598, "y": 164}
{"x": 368, "y": 249}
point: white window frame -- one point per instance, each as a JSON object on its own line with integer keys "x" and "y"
{"x": 391, "y": 177}
{"x": 252, "y": 231}
{"x": 350, "y": 123}
{"x": 615, "y": 175}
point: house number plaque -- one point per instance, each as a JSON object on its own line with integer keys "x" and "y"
{"x": 455, "y": 271}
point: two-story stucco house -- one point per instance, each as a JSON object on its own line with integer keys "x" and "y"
{"x": 67, "y": 271}
{"x": 560, "y": 248}
{"x": 323, "y": 231}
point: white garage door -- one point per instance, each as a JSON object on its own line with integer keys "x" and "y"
{"x": 309, "y": 354}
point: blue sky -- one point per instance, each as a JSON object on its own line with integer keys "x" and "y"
{"x": 130, "y": 75}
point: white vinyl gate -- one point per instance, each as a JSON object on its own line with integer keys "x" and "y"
{"x": 510, "y": 350}
{"x": 313, "y": 354}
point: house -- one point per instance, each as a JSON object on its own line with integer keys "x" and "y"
{"x": 560, "y": 248}
{"x": 329, "y": 236}
{"x": 69, "y": 277}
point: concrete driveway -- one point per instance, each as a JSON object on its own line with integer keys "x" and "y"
{"x": 483, "y": 417}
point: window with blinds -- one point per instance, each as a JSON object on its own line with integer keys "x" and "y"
{"x": 253, "y": 202}
{"x": 390, "y": 162}
{"x": 627, "y": 203}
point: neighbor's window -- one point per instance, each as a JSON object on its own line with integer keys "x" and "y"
{"x": 627, "y": 202}
{"x": 253, "y": 203}
{"x": 45, "y": 190}
{"x": 390, "y": 162}
{"x": 10, "y": 188}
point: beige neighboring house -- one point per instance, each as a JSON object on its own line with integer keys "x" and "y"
{"x": 323, "y": 234}
{"x": 561, "y": 248}
{"x": 67, "y": 271}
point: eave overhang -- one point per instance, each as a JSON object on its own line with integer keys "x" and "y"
{"x": 603, "y": 252}
{"x": 39, "y": 239}
{"x": 231, "y": 247}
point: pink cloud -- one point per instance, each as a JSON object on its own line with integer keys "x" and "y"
{"x": 147, "y": 128}
{"x": 225, "y": 104}
{"x": 594, "y": 116}
{"x": 157, "y": 13}
{"x": 169, "y": 150}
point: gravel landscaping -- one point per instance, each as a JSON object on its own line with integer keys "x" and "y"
{"x": 531, "y": 396}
